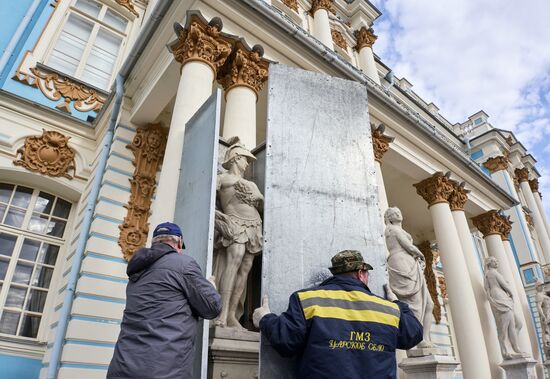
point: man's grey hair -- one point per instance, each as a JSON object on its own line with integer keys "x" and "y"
{"x": 166, "y": 238}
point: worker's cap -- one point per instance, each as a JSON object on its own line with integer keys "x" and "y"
{"x": 348, "y": 260}
{"x": 168, "y": 228}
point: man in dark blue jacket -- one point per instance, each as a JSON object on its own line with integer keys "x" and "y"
{"x": 339, "y": 329}
{"x": 165, "y": 296}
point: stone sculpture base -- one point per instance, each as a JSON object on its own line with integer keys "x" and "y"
{"x": 420, "y": 366}
{"x": 520, "y": 368}
{"x": 233, "y": 353}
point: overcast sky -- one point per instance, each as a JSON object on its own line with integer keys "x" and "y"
{"x": 467, "y": 55}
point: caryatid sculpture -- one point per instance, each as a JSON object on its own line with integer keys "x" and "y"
{"x": 239, "y": 231}
{"x": 543, "y": 306}
{"x": 501, "y": 299}
{"x": 406, "y": 272}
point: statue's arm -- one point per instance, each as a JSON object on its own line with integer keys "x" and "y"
{"x": 407, "y": 245}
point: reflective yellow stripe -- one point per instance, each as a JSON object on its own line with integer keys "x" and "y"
{"x": 351, "y": 315}
{"x": 346, "y": 295}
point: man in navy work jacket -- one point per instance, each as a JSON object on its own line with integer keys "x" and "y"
{"x": 165, "y": 296}
{"x": 340, "y": 329}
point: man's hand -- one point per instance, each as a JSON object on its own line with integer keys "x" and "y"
{"x": 212, "y": 280}
{"x": 259, "y": 313}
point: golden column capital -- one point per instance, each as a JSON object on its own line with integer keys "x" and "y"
{"x": 459, "y": 196}
{"x": 201, "y": 41}
{"x": 493, "y": 222}
{"x": 327, "y": 5}
{"x": 435, "y": 189}
{"x": 380, "y": 141}
{"x": 365, "y": 38}
{"x": 522, "y": 174}
{"x": 245, "y": 67}
{"x": 292, "y": 4}
{"x": 534, "y": 184}
{"x": 495, "y": 164}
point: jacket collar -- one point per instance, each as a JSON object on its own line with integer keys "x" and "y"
{"x": 346, "y": 280}
{"x": 145, "y": 257}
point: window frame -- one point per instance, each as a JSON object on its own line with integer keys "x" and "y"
{"x": 52, "y": 292}
{"x": 97, "y": 25}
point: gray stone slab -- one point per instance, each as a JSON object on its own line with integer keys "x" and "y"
{"x": 429, "y": 367}
{"x": 519, "y": 368}
{"x": 320, "y": 189}
{"x": 196, "y": 201}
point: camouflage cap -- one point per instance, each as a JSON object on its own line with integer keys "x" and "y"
{"x": 348, "y": 260}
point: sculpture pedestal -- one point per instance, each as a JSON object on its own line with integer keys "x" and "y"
{"x": 233, "y": 353}
{"x": 520, "y": 368}
{"x": 428, "y": 363}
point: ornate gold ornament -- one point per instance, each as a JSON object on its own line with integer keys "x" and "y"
{"x": 365, "y": 38}
{"x": 493, "y": 222}
{"x": 48, "y": 154}
{"x": 245, "y": 67}
{"x": 426, "y": 249}
{"x": 435, "y": 189}
{"x": 201, "y": 41}
{"x": 327, "y": 5}
{"x": 55, "y": 86}
{"x": 522, "y": 174}
{"x": 292, "y": 4}
{"x": 148, "y": 147}
{"x": 380, "y": 141}
{"x": 534, "y": 184}
{"x": 529, "y": 219}
{"x": 339, "y": 39}
{"x": 495, "y": 164}
{"x": 128, "y": 5}
{"x": 459, "y": 196}
{"x": 442, "y": 287}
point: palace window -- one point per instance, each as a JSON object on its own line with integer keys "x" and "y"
{"x": 89, "y": 44}
{"x": 32, "y": 230}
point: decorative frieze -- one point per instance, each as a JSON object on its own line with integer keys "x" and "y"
{"x": 244, "y": 67}
{"x": 380, "y": 141}
{"x": 459, "y": 196}
{"x": 292, "y": 4}
{"x": 522, "y": 174}
{"x": 148, "y": 147}
{"x": 338, "y": 39}
{"x": 435, "y": 189}
{"x": 56, "y": 86}
{"x": 426, "y": 249}
{"x": 534, "y": 184}
{"x": 201, "y": 41}
{"x": 327, "y": 5}
{"x": 495, "y": 164}
{"x": 128, "y": 5}
{"x": 365, "y": 38}
{"x": 48, "y": 154}
{"x": 491, "y": 222}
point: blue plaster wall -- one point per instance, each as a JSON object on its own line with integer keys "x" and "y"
{"x": 8, "y": 24}
{"x": 19, "y": 367}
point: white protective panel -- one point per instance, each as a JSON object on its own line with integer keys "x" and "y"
{"x": 196, "y": 201}
{"x": 321, "y": 194}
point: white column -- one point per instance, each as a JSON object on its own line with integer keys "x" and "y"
{"x": 476, "y": 280}
{"x": 367, "y": 63}
{"x": 195, "y": 86}
{"x": 522, "y": 296}
{"x": 365, "y": 40}
{"x": 240, "y": 115}
{"x": 467, "y": 324}
{"x": 542, "y": 211}
{"x": 496, "y": 249}
{"x": 321, "y": 27}
{"x": 382, "y": 196}
{"x": 539, "y": 222}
